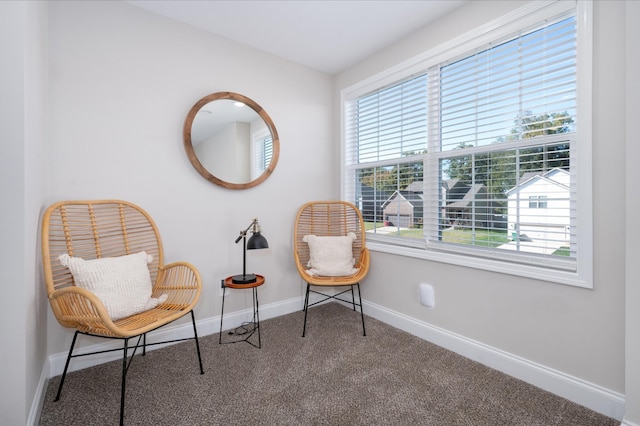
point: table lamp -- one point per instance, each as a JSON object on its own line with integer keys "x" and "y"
{"x": 256, "y": 241}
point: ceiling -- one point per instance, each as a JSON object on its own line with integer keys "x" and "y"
{"x": 326, "y": 35}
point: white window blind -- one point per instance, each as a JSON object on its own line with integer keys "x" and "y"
{"x": 514, "y": 89}
{"x": 266, "y": 152}
{"x": 477, "y": 154}
{"x": 262, "y": 152}
{"x": 388, "y": 135}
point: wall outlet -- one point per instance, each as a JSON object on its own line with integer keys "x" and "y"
{"x": 427, "y": 296}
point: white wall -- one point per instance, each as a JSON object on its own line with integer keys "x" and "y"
{"x": 577, "y": 332}
{"x": 22, "y": 187}
{"x": 632, "y": 226}
{"x": 122, "y": 81}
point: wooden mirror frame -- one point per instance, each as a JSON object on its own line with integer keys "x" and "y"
{"x": 188, "y": 144}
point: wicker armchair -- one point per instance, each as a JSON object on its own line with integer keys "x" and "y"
{"x": 110, "y": 229}
{"x": 336, "y": 219}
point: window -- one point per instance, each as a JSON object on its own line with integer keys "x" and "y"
{"x": 391, "y": 131}
{"x": 262, "y": 148}
{"x": 475, "y": 151}
{"x": 537, "y": 201}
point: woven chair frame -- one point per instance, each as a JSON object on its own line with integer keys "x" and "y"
{"x": 110, "y": 228}
{"x": 331, "y": 218}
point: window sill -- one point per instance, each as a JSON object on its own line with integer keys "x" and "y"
{"x": 527, "y": 271}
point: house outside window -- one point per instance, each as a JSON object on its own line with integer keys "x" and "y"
{"x": 477, "y": 153}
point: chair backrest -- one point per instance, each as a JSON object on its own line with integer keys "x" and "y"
{"x": 95, "y": 229}
{"x": 328, "y": 218}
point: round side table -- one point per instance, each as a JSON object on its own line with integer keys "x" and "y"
{"x": 255, "y": 323}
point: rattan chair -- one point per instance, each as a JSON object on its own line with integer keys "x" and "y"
{"x": 112, "y": 228}
{"x": 330, "y": 218}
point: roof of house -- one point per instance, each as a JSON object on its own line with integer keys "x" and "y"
{"x": 550, "y": 176}
{"x": 455, "y": 188}
{"x": 469, "y": 196}
{"x": 413, "y": 198}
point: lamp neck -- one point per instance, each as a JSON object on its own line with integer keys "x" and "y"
{"x": 244, "y": 254}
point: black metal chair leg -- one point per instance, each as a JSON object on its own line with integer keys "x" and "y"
{"x": 306, "y": 305}
{"x": 66, "y": 365}
{"x": 364, "y": 332}
{"x": 195, "y": 336}
{"x": 126, "y": 361}
{"x": 306, "y": 299}
{"x": 353, "y": 298}
{"x": 124, "y": 380}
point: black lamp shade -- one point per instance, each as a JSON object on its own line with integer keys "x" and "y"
{"x": 257, "y": 241}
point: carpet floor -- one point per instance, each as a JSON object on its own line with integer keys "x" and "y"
{"x": 333, "y": 376}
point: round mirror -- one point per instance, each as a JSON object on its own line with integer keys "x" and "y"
{"x": 231, "y": 141}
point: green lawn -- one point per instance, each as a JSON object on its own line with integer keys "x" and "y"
{"x": 368, "y": 226}
{"x": 410, "y": 233}
{"x": 562, "y": 251}
{"x": 481, "y": 237}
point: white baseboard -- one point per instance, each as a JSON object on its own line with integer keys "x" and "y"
{"x": 38, "y": 398}
{"x": 590, "y": 395}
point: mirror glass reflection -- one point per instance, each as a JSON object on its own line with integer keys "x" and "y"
{"x": 230, "y": 140}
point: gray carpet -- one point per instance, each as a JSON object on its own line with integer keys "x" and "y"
{"x": 334, "y": 376}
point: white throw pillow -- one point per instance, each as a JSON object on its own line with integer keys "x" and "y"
{"x": 331, "y": 256}
{"x": 122, "y": 283}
